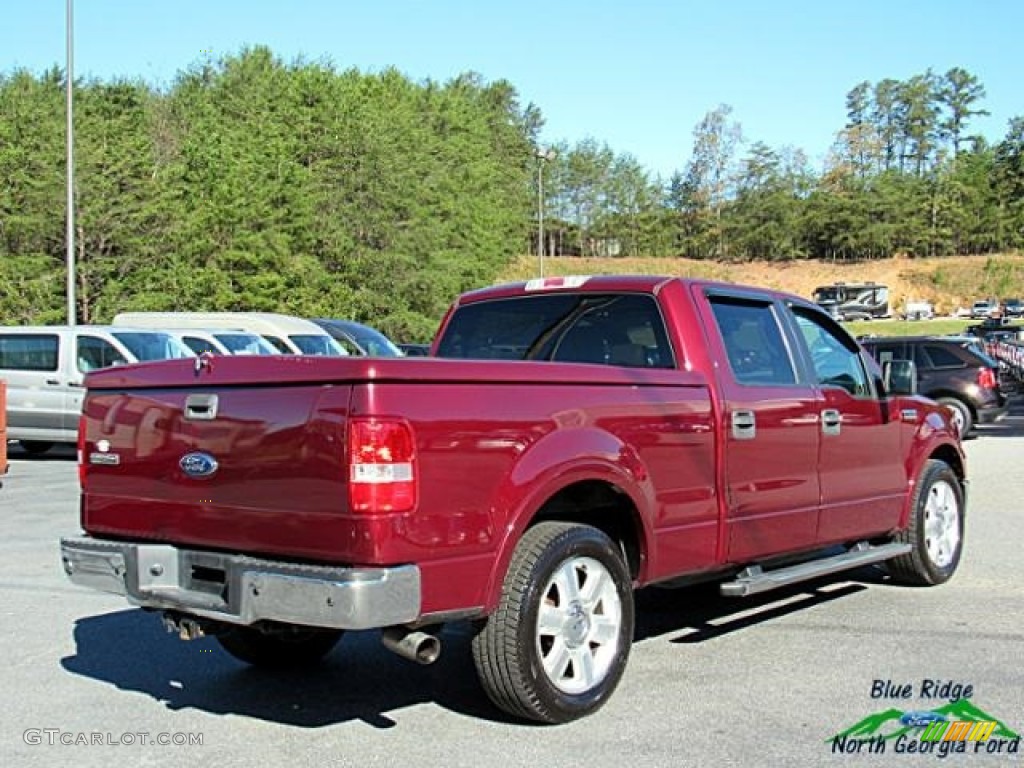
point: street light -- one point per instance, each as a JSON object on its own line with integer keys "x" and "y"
{"x": 69, "y": 87}
{"x": 542, "y": 155}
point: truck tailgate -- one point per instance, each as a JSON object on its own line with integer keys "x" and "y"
{"x": 264, "y": 474}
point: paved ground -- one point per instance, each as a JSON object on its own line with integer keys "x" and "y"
{"x": 710, "y": 682}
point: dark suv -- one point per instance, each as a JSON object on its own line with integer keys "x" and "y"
{"x": 950, "y": 371}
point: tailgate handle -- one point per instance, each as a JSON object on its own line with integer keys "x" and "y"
{"x": 744, "y": 425}
{"x": 201, "y": 407}
{"x": 831, "y": 422}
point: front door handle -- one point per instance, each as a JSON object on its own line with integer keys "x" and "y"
{"x": 744, "y": 425}
{"x": 831, "y": 421}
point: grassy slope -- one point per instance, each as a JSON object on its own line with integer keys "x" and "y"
{"x": 949, "y": 283}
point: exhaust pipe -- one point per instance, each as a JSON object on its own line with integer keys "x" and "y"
{"x": 416, "y": 646}
{"x": 185, "y": 627}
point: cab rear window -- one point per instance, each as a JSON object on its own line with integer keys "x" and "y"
{"x": 603, "y": 329}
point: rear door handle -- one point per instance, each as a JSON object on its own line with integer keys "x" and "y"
{"x": 53, "y": 382}
{"x": 831, "y": 422}
{"x": 744, "y": 425}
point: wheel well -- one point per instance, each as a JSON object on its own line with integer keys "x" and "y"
{"x": 948, "y": 455}
{"x": 605, "y": 507}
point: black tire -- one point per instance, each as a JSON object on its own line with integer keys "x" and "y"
{"x": 569, "y": 668}
{"x": 962, "y": 416}
{"x": 284, "y": 649}
{"x": 935, "y": 531}
{"x": 35, "y": 447}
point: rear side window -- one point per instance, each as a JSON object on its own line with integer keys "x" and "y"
{"x": 753, "y": 341}
{"x": 605, "y": 329}
{"x": 245, "y": 344}
{"x": 317, "y": 345}
{"x": 938, "y": 356}
{"x": 29, "y": 352}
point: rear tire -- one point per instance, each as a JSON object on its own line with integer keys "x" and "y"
{"x": 556, "y": 647}
{"x": 936, "y": 529}
{"x": 285, "y": 649}
{"x": 35, "y": 447}
{"x": 962, "y": 417}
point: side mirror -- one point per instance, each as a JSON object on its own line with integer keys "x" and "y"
{"x": 899, "y": 377}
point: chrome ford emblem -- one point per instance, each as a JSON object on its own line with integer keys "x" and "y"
{"x": 198, "y": 464}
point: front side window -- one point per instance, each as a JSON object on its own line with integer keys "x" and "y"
{"x": 152, "y": 345}
{"x": 836, "y": 358}
{"x": 94, "y": 353}
{"x": 199, "y": 346}
{"x": 754, "y": 343}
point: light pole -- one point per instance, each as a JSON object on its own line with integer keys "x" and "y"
{"x": 70, "y": 235}
{"x": 542, "y": 155}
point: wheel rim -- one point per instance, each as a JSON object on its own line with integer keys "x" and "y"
{"x": 941, "y": 524}
{"x": 579, "y": 625}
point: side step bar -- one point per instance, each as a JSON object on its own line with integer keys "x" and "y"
{"x": 753, "y": 580}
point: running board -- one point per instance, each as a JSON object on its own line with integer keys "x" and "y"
{"x": 753, "y": 580}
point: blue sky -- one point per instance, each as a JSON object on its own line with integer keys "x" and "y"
{"x": 637, "y": 75}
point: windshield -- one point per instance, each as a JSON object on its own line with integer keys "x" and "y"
{"x": 146, "y": 345}
{"x": 315, "y": 344}
{"x": 245, "y": 344}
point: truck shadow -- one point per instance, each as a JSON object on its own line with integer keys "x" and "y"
{"x": 700, "y": 613}
{"x": 362, "y": 681}
{"x": 359, "y": 681}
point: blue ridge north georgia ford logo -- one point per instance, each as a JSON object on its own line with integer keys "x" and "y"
{"x": 198, "y": 464}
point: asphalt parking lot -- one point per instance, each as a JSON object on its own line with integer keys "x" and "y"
{"x": 711, "y": 681}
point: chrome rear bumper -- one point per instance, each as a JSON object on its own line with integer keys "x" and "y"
{"x": 244, "y": 590}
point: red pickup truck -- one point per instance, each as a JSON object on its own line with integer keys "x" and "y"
{"x": 571, "y": 439}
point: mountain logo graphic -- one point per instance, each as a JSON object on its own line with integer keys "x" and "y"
{"x": 893, "y": 723}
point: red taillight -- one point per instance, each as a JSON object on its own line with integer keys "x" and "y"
{"x": 987, "y": 379}
{"x": 81, "y": 452}
{"x": 382, "y": 466}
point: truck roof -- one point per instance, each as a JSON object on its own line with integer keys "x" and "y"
{"x": 652, "y": 284}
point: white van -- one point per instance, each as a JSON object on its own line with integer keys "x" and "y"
{"x": 44, "y": 366}
{"x": 290, "y": 335}
{"x": 223, "y": 342}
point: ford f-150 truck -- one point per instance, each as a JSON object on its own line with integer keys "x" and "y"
{"x": 570, "y": 440}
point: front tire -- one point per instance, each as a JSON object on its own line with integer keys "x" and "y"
{"x": 284, "y": 649}
{"x": 936, "y": 529}
{"x": 556, "y": 647}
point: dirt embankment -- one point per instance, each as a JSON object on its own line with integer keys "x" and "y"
{"x": 949, "y": 282}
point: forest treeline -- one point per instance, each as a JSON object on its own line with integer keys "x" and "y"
{"x": 251, "y": 183}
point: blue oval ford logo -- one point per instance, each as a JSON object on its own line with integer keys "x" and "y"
{"x": 198, "y": 464}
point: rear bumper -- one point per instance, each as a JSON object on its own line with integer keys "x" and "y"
{"x": 244, "y": 590}
{"x": 992, "y": 414}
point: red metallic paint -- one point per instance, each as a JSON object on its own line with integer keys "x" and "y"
{"x": 495, "y": 441}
